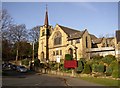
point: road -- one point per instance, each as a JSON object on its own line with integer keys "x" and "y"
{"x": 33, "y": 80}
{"x": 43, "y": 80}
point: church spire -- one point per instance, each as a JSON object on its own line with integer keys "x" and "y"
{"x": 46, "y": 23}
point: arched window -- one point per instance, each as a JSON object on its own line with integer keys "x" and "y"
{"x": 42, "y": 55}
{"x": 70, "y": 52}
{"x": 86, "y": 42}
{"x": 57, "y": 38}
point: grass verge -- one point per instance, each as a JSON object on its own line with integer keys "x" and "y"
{"x": 102, "y": 81}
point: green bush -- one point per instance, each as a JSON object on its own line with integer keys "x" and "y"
{"x": 87, "y": 69}
{"x": 61, "y": 66}
{"x": 80, "y": 67}
{"x": 25, "y": 62}
{"x": 95, "y": 67}
{"x": 83, "y": 60}
{"x": 101, "y": 68}
{"x": 68, "y": 57}
{"x": 108, "y": 71}
{"x": 116, "y": 74}
{"x": 53, "y": 66}
{"x": 97, "y": 57}
{"x": 68, "y": 70}
{"x": 115, "y": 65}
{"x": 36, "y": 62}
{"x": 108, "y": 59}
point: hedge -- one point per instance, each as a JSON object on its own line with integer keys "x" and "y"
{"x": 94, "y": 68}
{"x": 109, "y": 71}
{"x": 80, "y": 67}
{"x": 97, "y": 57}
{"x": 87, "y": 69}
{"x": 108, "y": 59}
{"x": 101, "y": 68}
{"x": 116, "y": 74}
{"x": 36, "y": 62}
{"x": 68, "y": 57}
{"x": 25, "y": 62}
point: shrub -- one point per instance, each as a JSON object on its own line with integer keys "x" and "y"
{"x": 68, "y": 57}
{"x": 87, "y": 69}
{"x": 42, "y": 65}
{"x": 101, "y": 68}
{"x": 80, "y": 67}
{"x": 108, "y": 71}
{"x": 25, "y": 62}
{"x": 83, "y": 60}
{"x": 97, "y": 57}
{"x": 53, "y": 66}
{"x": 116, "y": 73}
{"x": 108, "y": 59}
{"x": 90, "y": 62}
{"x": 68, "y": 70}
{"x": 95, "y": 66}
{"x": 36, "y": 62}
{"x": 115, "y": 65}
{"x": 61, "y": 66}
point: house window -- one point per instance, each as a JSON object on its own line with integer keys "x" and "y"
{"x": 77, "y": 40}
{"x": 48, "y": 32}
{"x": 53, "y": 53}
{"x": 43, "y": 33}
{"x": 57, "y": 38}
{"x": 57, "y": 53}
{"x": 71, "y": 42}
{"x": 86, "y": 42}
{"x": 60, "y": 52}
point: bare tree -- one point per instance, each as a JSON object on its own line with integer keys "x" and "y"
{"x": 34, "y": 33}
{"x": 17, "y": 33}
{"x": 6, "y": 21}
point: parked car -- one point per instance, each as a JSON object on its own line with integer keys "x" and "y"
{"x": 6, "y": 66}
{"x": 9, "y": 65}
{"x": 21, "y": 69}
{"x": 14, "y": 67}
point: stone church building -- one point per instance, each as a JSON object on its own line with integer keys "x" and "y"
{"x": 56, "y": 42}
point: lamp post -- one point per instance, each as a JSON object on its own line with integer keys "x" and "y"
{"x": 33, "y": 51}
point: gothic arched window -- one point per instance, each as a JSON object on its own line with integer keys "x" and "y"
{"x": 86, "y": 42}
{"x": 57, "y": 38}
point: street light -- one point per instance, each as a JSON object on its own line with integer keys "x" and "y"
{"x": 33, "y": 51}
{"x": 32, "y": 44}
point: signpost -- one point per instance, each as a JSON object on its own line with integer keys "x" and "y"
{"x": 58, "y": 61}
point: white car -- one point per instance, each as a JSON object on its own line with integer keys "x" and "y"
{"x": 22, "y": 69}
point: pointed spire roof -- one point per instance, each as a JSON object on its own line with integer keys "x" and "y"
{"x": 46, "y": 17}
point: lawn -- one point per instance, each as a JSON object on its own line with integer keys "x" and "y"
{"x": 102, "y": 81}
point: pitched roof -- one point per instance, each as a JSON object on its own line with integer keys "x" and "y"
{"x": 98, "y": 40}
{"x": 72, "y": 33}
{"x": 67, "y": 30}
{"x": 93, "y": 37}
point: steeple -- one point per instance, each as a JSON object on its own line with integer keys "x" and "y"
{"x": 46, "y": 23}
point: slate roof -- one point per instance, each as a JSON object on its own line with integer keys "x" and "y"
{"x": 72, "y": 33}
{"x": 93, "y": 37}
{"x": 98, "y": 40}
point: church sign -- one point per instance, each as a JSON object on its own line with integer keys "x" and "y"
{"x": 70, "y": 63}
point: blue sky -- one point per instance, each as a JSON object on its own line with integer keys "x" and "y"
{"x": 100, "y": 18}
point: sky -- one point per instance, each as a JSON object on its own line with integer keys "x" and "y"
{"x": 99, "y": 18}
